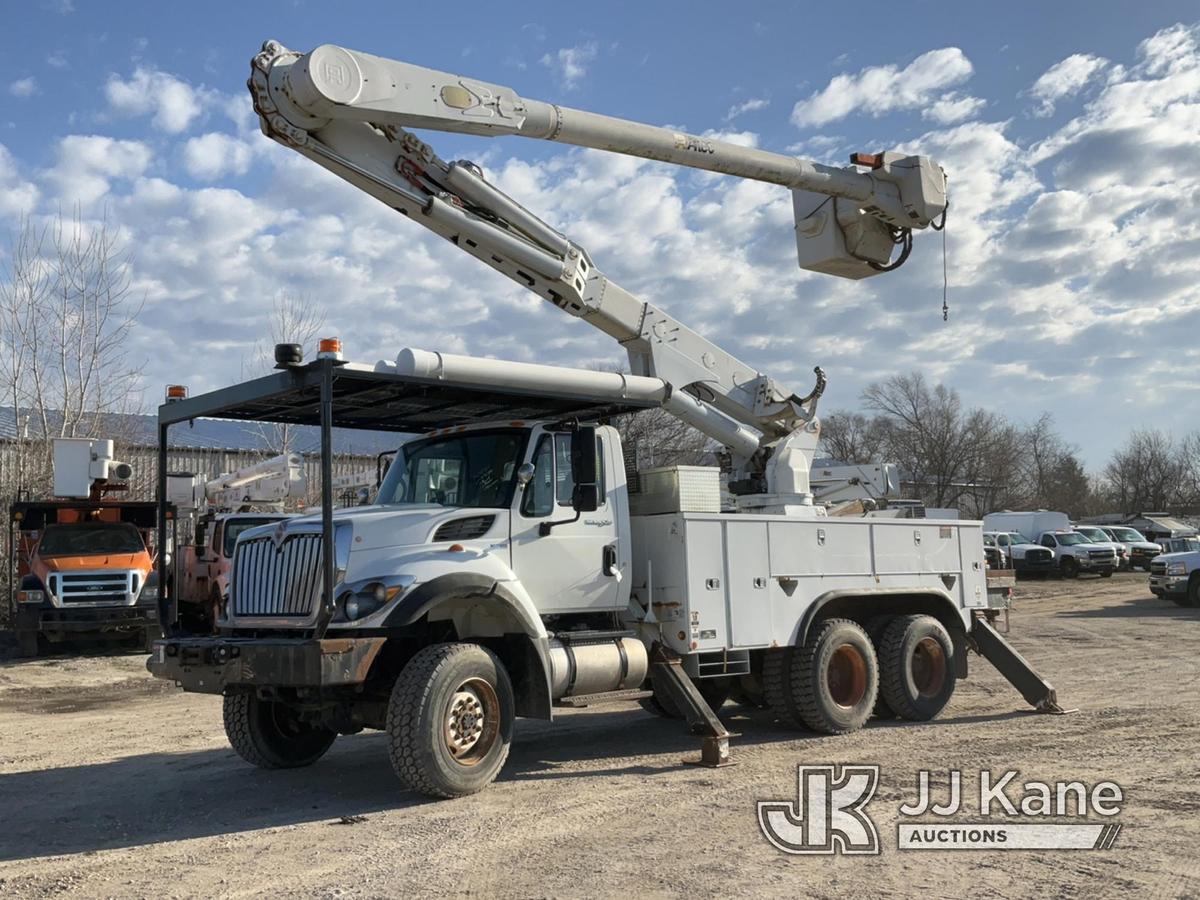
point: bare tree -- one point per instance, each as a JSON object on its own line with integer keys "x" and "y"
{"x": 951, "y": 455}
{"x": 66, "y": 312}
{"x": 851, "y": 437}
{"x": 1147, "y": 472}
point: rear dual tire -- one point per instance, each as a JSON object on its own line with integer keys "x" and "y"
{"x": 829, "y": 684}
{"x": 916, "y": 665}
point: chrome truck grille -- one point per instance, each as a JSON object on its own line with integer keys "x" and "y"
{"x": 281, "y": 580}
{"x": 106, "y": 587}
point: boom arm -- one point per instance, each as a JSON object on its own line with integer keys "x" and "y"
{"x": 347, "y": 111}
{"x": 269, "y": 482}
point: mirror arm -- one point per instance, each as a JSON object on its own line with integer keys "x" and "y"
{"x": 545, "y": 527}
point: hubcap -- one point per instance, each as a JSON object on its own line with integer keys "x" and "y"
{"x": 846, "y": 675}
{"x": 472, "y": 721}
{"x": 928, "y": 664}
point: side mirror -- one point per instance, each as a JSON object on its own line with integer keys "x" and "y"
{"x": 586, "y": 496}
{"x": 525, "y": 473}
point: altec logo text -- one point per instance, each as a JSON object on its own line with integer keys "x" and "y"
{"x": 829, "y": 814}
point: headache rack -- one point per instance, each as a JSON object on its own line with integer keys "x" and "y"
{"x": 328, "y": 393}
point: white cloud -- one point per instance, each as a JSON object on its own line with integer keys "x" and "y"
{"x": 214, "y": 155}
{"x": 17, "y": 196}
{"x": 953, "y": 107}
{"x": 23, "y": 87}
{"x": 172, "y": 104}
{"x": 570, "y": 64}
{"x": 87, "y": 164}
{"x": 881, "y": 89}
{"x": 58, "y": 60}
{"x": 1065, "y": 79}
{"x": 751, "y": 105}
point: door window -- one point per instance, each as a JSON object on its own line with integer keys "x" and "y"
{"x": 538, "y": 499}
{"x": 564, "y": 483}
{"x": 1048, "y": 540}
{"x": 553, "y": 476}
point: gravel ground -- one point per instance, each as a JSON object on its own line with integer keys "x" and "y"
{"x": 114, "y": 784}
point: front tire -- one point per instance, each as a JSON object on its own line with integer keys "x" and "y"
{"x": 834, "y": 677}
{"x": 450, "y": 720}
{"x": 1070, "y": 568}
{"x": 916, "y": 667}
{"x": 269, "y": 734}
{"x": 27, "y": 644}
{"x": 1193, "y": 591}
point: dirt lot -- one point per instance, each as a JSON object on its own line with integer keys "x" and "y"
{"x": 112, "y": 784}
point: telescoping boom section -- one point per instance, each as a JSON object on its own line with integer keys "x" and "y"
{"x": 349, "y": 112}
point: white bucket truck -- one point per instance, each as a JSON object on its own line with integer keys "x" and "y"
{"x": 502, "y": 571}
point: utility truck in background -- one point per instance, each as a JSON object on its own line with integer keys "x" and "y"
{"x": 220, "y": 509}
{"x": 511, "y": 564}
{"x": 84, "y": 563}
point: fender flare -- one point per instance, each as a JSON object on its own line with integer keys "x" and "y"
{"x": 469, "y": 585}
{"x": 938, "y": 603}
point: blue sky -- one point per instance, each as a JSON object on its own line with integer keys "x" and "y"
{"x": 1068, "y": 132}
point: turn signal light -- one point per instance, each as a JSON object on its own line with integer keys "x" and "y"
{"x": 176, "y": 392}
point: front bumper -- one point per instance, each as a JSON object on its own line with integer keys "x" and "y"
{"x": 210, "y": 665}
{"x": 1030, "y": 566}
{"x": 51, "y": 620}
{"x": 1091, "y": 565}
{"x": 1168, "y": 585}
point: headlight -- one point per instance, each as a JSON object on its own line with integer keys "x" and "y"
{"x": 149, "y": 592}
{"x": 31, "y": 596}
{"x": 370, "y": 596}
{"x": 1177, "y": 568}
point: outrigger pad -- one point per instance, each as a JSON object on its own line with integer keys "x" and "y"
{"x": 1037, "y": 691}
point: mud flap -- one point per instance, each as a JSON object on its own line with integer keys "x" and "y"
{"x": 991, "y": 645}
{"x": 668, "y": 675}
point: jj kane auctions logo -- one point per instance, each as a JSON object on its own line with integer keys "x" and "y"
{"x": 829, "y": 814}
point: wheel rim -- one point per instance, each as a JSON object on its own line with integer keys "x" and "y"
{"x": 472, "y": 721}
{"x": 846, "y": 675}
{"x": 286, "y": 723}
{"x": 928, "y": 667}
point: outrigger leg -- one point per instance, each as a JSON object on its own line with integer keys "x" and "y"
{"x": 992, "y": 646}
{"x": 670, "y": 677}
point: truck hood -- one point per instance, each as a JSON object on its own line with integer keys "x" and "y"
{"x": 379, "y": 526}
{"x": 1187, "y": 556}
{"x": 1142, "y": 545}
{"x": 140, "y": 561}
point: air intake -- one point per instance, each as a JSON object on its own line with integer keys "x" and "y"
{"x": 464, "y": 529}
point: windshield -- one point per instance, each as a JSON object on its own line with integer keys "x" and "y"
{"x": 474, "y": 469}
{"x": 1095, "y": 534}
{"x": 1072, "y": 538}
{"x": 234, "y": 527}
{"x": 1181, "y": 545}
{"x": 1127, "y": 534}
{"x": 1018, "y": 538}
{"x": 90, "y": 539}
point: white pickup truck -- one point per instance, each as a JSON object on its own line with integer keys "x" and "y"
{"x": 1077, "y": 554}
{"x": 1027, "y": 558}
{"x": 1175, "y": 573}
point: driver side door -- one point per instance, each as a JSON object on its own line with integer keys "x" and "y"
{"x": 563, "y": 571}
